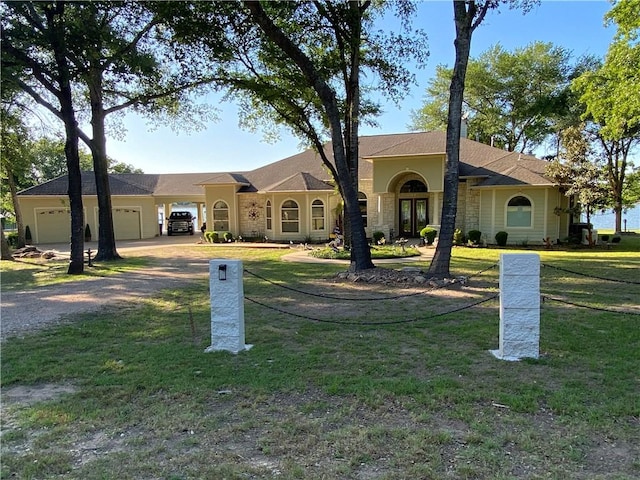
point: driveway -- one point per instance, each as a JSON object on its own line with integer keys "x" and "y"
{"x": 36, "y": 308}
{"x": 25, "y": 311}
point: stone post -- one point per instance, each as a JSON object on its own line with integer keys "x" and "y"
{"x": 227, "y": 306}
{"x": 519, "y": 306}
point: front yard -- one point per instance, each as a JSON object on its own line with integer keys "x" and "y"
{"x": 362, "y": 382}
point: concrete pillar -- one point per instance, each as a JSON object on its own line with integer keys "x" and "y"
{"x": 519, "y": 306}
{"x": 227, "y": 306}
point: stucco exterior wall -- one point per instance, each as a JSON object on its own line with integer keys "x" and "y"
{"x": 49, "y": 218}
{"x": 387, "y": 170}
{"x": 493, "y": 215}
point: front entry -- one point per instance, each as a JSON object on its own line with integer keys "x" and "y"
{"x": 413, "y": 216}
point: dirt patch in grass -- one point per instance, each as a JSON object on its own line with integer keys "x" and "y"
{"x": 30, "y": 394}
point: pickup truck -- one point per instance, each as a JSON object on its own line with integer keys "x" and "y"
{"x": 180, "y": 222}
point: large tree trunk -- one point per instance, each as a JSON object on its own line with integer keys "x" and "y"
{"x": 441, "y": 262}
{"x": 55, "y": 16}
{"x": 11, "y": 180}
{"x": 345, "y": 144}
{"x": 106, "y": 235}
{"x": 5, "y": 250}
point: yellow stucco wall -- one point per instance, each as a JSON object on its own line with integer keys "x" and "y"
{"x": 493, "y": 215}
{"x": 386, "y": 171}
{"x": 49, "y": 217}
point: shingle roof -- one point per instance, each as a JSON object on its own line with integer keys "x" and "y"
{"x": 120, "y": 184}
{"x": 300, "y": 182}
{"x": 306, "y": 172}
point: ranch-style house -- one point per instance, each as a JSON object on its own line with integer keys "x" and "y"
{"x": 294, "y": 199}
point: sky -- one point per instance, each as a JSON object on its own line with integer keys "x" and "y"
{"x": 223, "y": 146}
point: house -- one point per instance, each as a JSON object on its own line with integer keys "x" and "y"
{"x": 294, "y": 199}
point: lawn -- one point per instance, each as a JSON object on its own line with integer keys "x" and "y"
{"x": 327, "y": 393}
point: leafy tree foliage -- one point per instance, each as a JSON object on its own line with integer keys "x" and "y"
{"x": 43, "y": 57}
{"x": 129, "y": 65}
{"x": 579, "y": 173}
{"x": 299, "y": 64}
{"x": 611, "y": 96}
{"x": 513, "y": 100}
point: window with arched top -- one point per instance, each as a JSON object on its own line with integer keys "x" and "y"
{"x": 362, "y": 204}
{"x": 220, "y": 217}
{"x": 413, "y": 186}
{"x": 519, "y": 212}
{"x": 290, "y": 217}
{"x": 269, "y": 215}
{"x": 317, "y": 215}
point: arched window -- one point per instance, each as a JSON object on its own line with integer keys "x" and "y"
{"x": 362, "y": 203}
{"x": 290, "y": 217}
{"x": 413, "y": 186}
{"x": 269, "y": 216}
{"x": 317, "y": 215}
{"x": 519, "y": 212}
{"x": 220, "y": 216}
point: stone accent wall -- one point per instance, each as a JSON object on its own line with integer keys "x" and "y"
{"x": 461, "y": 220}
{"x": 472, "y": 207}
{"x": 251, "y": 215}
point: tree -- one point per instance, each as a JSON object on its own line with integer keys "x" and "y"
{"x": 299, "y": 64}
{"x": 513, "y": 100}
{"x": 14, "y": 141}
{"x": 611, "y": 95}
{"x": 44, "y": 57}
{"x": 467, "y": 17}
{"x": 129, "y": 65}
{"x": 579, "y": 172}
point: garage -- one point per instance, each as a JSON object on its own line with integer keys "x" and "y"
{"x": 126, "y": 223}
{"x": 53, "y": 225}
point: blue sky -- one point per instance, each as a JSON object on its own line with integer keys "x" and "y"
{"x": 223, "y": 146}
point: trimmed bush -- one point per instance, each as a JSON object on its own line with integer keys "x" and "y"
{"x": 87, "y": 233}
{"x": 27, "y": 234}
{"x": 458, "y": 237}
{"x": 604, "y": 238}
{"x": 211, "y": 237}
{"x": 429, "y": 234}
{"x": 501, "y": 238}
{"x": 616, "y": 239}
{"x": 377, "y": 236}
{"x": 12, "y": 239}
{"x": 474, "y": 236}
{"x": 228, "y": 236}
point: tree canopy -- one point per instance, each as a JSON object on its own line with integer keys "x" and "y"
{"x": 512, "y": 100}
{"x": 299, "y": 65}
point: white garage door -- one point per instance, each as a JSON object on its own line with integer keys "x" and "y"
{"x": 54, "y": 225}
{"x": 126, "y": 223}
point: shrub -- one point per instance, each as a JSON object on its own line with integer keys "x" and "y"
{"x": 604, "y": 238}
{"x": 429, "y": 234}
{"x": 12, "y": 239}
{"x": 377, "y": 236}
{"x": 458, "y": 237}
{"x": 228, "y": 236}
{"x": 87, "y": 232}
{"x": 501, "y": 238}
{"x": 27, "y": 234}
{"x": 474, "y": 236}
{"x": 211, "y": 237}
{"x": 616, "y": 239}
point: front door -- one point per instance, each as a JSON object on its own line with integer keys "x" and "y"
{"x": 413, "y": 216}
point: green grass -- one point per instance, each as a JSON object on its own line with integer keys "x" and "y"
{"x": 23, "y": 274}
{"x": 316, "y": 400}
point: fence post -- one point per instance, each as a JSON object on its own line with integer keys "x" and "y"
{"x": 519, "y": 306}
{"x": 227, "y": 306}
